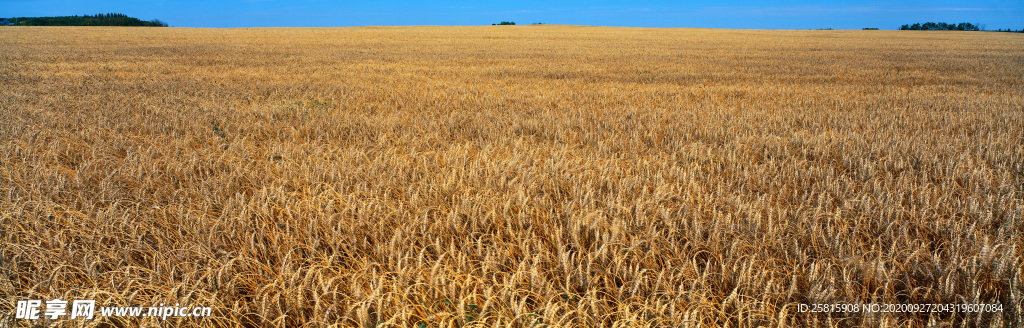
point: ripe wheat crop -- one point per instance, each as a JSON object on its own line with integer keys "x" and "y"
{"x": 512, "y": 176}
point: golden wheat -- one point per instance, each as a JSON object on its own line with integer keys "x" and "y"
{"x": 512, "y": 176}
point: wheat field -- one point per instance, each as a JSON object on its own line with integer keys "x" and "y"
{"x": 512, "y": 176}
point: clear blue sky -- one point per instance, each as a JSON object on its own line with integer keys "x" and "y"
{"x": 764, "y": 14}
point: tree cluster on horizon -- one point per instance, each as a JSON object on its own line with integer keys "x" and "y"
{"x": 932, "y": 26}
{"x": 110, "y": 19}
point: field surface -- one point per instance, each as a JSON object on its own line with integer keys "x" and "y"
{"x": 512, "y": 176}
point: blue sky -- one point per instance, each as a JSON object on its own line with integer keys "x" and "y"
{"x": 765, "y": 14}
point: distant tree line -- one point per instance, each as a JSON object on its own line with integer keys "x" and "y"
{"x": 932, "y": 26}
{"x": 505, "y": 23}
{"x": 111, "y": 19}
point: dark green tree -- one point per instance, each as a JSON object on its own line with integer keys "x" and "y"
{"x": 941, "y": 26}
{"x": 109, "y": 19}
